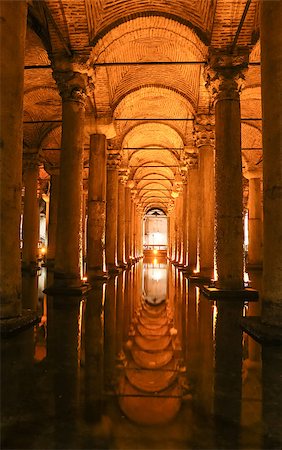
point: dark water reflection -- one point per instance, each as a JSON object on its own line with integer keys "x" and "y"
{"x": 145, "y": 348}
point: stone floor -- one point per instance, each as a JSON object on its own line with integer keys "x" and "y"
{"x": 61, "y": 379}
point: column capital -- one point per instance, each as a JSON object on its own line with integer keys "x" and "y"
{"x": 123, "y": 175}
{"x": 225, "y": 72}
{"x": 203, "y": 132}
{"x": 31, "y": 160}
{"x": 51, "y": 170}
{"x": 113, "y": 159}
{"x": 191, "y": 160}
{"x": 72, "y": 85}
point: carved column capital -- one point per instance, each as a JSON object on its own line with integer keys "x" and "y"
{"x": 72, "y": 85}
{"x": 225, "y": 72}
{"x": 31, "y": 160}
{"x": 123, "y": 175}
{"x": 113, "y": 159}
{"x": 203, "y": 133}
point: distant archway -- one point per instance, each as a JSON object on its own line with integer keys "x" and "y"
{"x": 155, "y": 237}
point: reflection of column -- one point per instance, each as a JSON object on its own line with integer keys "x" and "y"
{"x": 205, "y": 376}
{"x": 228, "y": 369}
{"x": 94, "y": 343}
{"x": 193, "y": 219}
{"x": 255, "y": 223}
{"x": 67, "y": 260}
{"x": 120, "y": 312}
{"x": 96, "y": 207}
{"x": 63, "y": 355}
{"x": 272, "y": 175}
{"x": 224, "y": 76}
{"x": 204, "y": 136}
{"x": 13, "y": 17}
{"x": 127, "y": 223}
{"x": 53, "y": 212}
{"x": 121, "y": 223}
{"x": 31, "y": 211}
{"x": 110, "y": 332}
{"x": 112, "y": 210}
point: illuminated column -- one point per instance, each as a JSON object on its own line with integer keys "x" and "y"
{"x": 112, "y": 210}
{"x": 13, "y": 17}
{"x": 31, "y": 211}
{"x": 255, "y": 221}
{"x": 185, "y": 224}
{"x": 133, "y": 227}
{"x": 204, "y": 140}
{"x": 53, "y": 213}
{"x": 128, "y": 221}
{"x": 180, "y": 228}
{"x": 121, "y": 220}
{"x": 83, "y": 246}
{"x": 224, "y": 76}
{"x": 193, "y": 212}
{"x": 67, "y": 259}
{"x": 271, "y": 44}
{"x": 96, "y": 227}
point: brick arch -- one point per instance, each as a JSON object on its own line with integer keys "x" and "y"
{"x": 113, "y": 20}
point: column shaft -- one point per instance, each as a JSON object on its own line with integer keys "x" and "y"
{"x": 255, "y": 223}
{"x": 185, "y": 225}
{"x": 127, "y": 224}
{"x": 121, "y": 224}
{"x": 271, "y": 74}
{"x": 96, "y": 206}
{"x": 53, "y": 213}
{"x": 193, "y": 217}
{"x": 67, "y": 260}
{"x": 206, "y": 229}
{"x": 30, "y": 217}
{"x": 111, "y": 218}
{"x": 229, "y": 194}
{"x": 12, "y": 41}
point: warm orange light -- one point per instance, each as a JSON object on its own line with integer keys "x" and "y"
{"x": 155, "y": 261}
{"x": 84, "y": 278}
{"x": 43, "y": 250}
{"x": 155, "y": 252}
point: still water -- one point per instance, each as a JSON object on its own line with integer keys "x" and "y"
{"x": 144, "y": 361}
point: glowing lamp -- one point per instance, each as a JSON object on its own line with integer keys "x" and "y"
{"x": 155, "y": 251}
{"x": 84, "y": 279}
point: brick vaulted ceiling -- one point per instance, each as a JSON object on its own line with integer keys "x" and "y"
{"x": 88, "y": 32}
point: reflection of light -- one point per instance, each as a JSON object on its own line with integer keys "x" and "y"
{"x": 246, "y": 279}
{"x": 214, "y": 319}
{"x": 155, "y": 261}
{"x": 43, "y": 250}
{"x": 84, "y": 278}
{"x": 195, "y": 271}
{"x": 155, "y": 252}
{"x": 157, "y": 274}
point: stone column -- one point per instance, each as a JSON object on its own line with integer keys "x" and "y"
{"x": 121, "y": 221}
{"x": 271, "y": 60}
{"x": 53, "y": 213}
{"x": 96, "y": 227}
{"x": 31, "y": 211}
{"x": 255, "y": 222}
{"x": 185, "y": 225}
{"x": 112, "y": 211}
{"x": 193, "y": 213}
{"x": 127, "y": 224}
{"x": 224, "y": 76}
{"x": 204, "y": 139}
{"x": 67, "y": 260}
{"x": 13, "y": 17}
{"x": 133, "y": 229}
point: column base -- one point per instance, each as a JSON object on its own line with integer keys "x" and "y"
{"x": 55, "y": 289}
{"x": 256, "y": 267}
{"x": 261, "y": 332}
{"x": 113, "y": 270}
{"x": 198, "y": 277}
{"x": 122, "y": 265}
{"x": 246, "y": 294}
{"x": 14, "y": 325}
{"x": 31, "y": 268}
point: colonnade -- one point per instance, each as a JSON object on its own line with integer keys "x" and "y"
{"x": 107, "y": 194}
